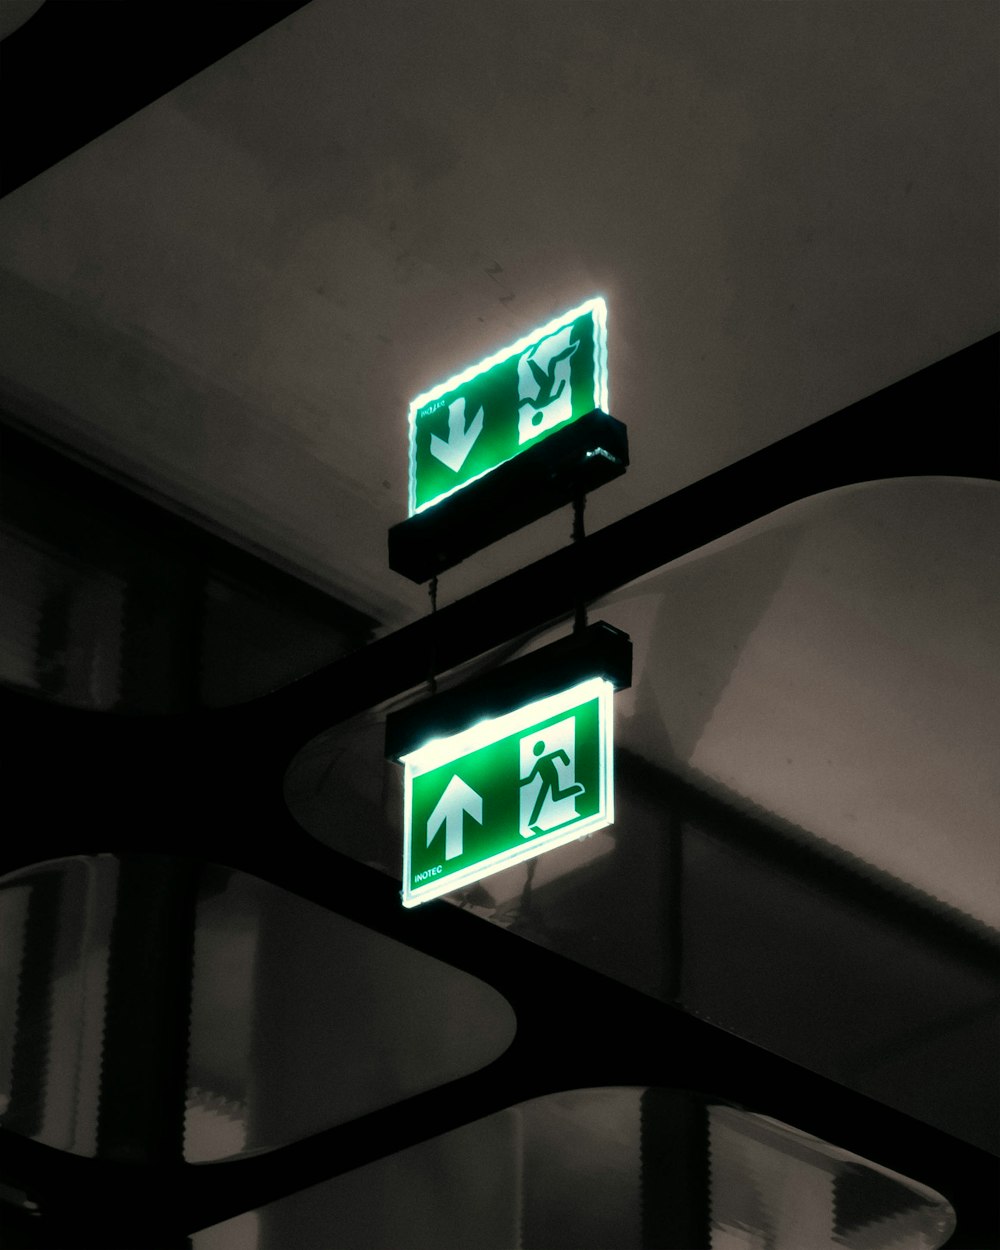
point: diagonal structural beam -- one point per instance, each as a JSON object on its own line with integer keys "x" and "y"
{"x": 940, "y": 421}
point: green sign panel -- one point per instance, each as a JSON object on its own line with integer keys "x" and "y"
{"x": 486, "y": 415}
{"x": 507, "y": 790}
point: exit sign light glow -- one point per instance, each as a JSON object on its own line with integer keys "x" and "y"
{"x": 484, "y": 416}
{"x": 507, "y": 789}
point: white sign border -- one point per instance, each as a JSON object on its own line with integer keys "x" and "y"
{"x": 599, "y": 311}
{"x": 439, "y": 751}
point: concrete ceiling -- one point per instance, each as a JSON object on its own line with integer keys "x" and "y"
{"x": 230, "y": 298}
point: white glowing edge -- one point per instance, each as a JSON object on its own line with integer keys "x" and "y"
{"x": 598, "y": 310}
{"x": 444, "y": 750}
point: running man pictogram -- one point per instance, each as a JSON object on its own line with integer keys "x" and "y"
{"x": 550, "y": 789}
{"x": 544, "y": 373}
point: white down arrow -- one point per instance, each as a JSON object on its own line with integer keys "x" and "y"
{"x": 453, "y": 450}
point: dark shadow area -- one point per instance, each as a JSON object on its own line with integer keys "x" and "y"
{"x": 74, "y": 70}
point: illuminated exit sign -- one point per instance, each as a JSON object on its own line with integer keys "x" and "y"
{"x": 507, "y": 789}
{"x": 488, "y": 414}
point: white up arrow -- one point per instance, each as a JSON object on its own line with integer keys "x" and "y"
{"x": 450, "y": 809}
{"x": 452, "y": 451}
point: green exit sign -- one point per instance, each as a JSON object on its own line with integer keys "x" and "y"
{"x": 488, "y": 414}
{"x": 507, "y": 789}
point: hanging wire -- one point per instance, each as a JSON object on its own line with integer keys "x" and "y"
{"x": 432, "y": 644}
{"x": 580, "y": 618}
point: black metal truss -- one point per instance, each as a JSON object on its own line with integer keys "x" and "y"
{"x": 208, "y": 787}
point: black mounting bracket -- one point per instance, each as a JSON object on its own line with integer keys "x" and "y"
{"x": 559, "y": 468}
{"x": 600, "y": 650}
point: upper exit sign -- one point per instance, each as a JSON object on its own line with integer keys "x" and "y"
{"x": 491, "y": 412}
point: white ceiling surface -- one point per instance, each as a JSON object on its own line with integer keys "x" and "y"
{"x": 231, "y": 297}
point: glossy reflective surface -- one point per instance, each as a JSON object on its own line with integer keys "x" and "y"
{"x": 599, "y": 1168}
{"x": 297, "y": 1019}
{"x": 806, "y": 807}
{"x": 776, "y": 1188}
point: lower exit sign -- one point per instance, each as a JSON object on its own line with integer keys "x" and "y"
{"x": 507, "y": 789}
